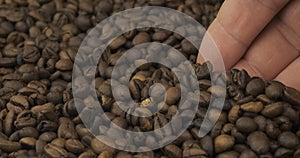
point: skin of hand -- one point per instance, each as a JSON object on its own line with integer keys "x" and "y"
{"x": 260, "y": 36}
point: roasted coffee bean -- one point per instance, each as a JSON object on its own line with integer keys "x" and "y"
{"x": 259, "y": 142}
{"x": 173, "y": 151}
{"x": 223, "y": 142}
{"x": 254, "y": 107}
{"x": 273, "y": 110}
{"x": 291, "y": 95}
{"x": 173, "y": 95}
{"x": 261, "y": 122}
{"x": 274, "y": 90}
{"x": 272, "y": 129}
{"x": 255, "y": 86}
{"x": 8, "y": 122}
{"x": 74, "y": 146}
{"x": 9, "y": 146}
{"x": 46, "y": 125}
{"x": 100, "y": 147}
{"x": 282, "y": 152}
{"x": 66, "y": 131}
{"x": 193, "y": 152}
{"x": 28, "y": 142}
{"x": 48, "y": 136}
{"x": 24, "y": 132}
{"x": 59, "y": 142}
{"x": 288, "y": 140}
{"x": 233, "y": 114}
{"x": 54, "y": 151}
{"x": 246, "y": 125}
{"x": 25, "y": 119}
{"x": 118, "y": 42}
{"x": 39, "y": 146}
{"x": 140, "y": 38}
{"x": 105, "y": 154}
{"x": 121, "y": 122}
{"x": 248, "y": 154}
{"x": 8, "y": 62}
{"x": 239, "y": 137}
{"x": 228, "y": 154}
{"x": 88, "y": 154}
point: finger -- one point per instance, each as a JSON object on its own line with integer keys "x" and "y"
{"x": 237, "y": 24}
{"x": 290, "y": 75}
{"x": 287, "y": 16}
{"x": 274, "y": 49}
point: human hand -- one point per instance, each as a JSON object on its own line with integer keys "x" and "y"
{"x": 260, "y": 36}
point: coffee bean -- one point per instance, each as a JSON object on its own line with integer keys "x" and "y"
{"x": 140, "y": 38}
{"x": 105, "y": 154}
{"x": 134, "y": 89}
{"x": 193, "y": 152}
{"x": 234, "y": 113}
{"x": 217, "y": 91}
{"x": 54, "y": 151}
{"x": 288, "y": 140}
{"x": 121, "y": 122}
{"x": 123, "y": 154}
{"x": 9, "y": 146}
{"x": 282, "y": 152}
{"x": 223, "y": 142}
{"x": 203, "y": 71}
{"x": 28, "y": 142}
{"x": 291, "y": 95}
{"x": 20, "y": 100}
{"x": 255, "y": 86}
{"x": 118, "y": 42}
{"x": 64, "y": 64}
{"x": 259, "y": 142}
{"x": 290, "y": 113}
{"x": 274, "y": 90}
{"x": 173, "y": 95}
{"x": 25, "y": 119}
{"x": 24, "y": 132}
{"x": 273, "y": 110}
{"x": 46, "y": 125}
{"x": 297, "y": 153}
{"x": 48, "y": 136}
{"x": 69, "y": 109}
{"x": 254, "y": 107}
{"x": 87, "y": 154}
{"x": 31, "y": 54}
{"x": 8, "y": 122}
{"x": 173, "y": 151}
{"x": 188, "y": 48}
{"x": 264, "y": 99}
{"x": 246, "y": 125}
{"x": 228, "y": 154}
{"x": 59, "y": 142}
{"x": 39, "y": 146}
{"x": 66, "y": 131}
{"x": 261, "y": 122}
{"x": 272, "y": 129}
{"x": 74, "y": 146}
{"x": 248, "y": 154}
{"x": 8, "y": 62}
{"x": 100, "y": 147}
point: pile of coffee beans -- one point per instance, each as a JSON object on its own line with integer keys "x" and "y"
{"x": 39, "y": 40}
